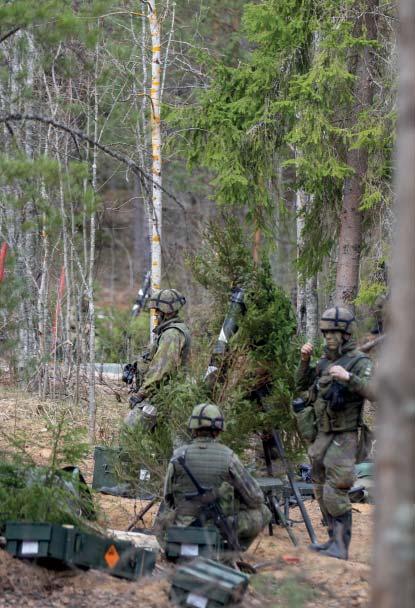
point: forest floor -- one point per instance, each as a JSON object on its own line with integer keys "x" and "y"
{"x": 289, "y": 577}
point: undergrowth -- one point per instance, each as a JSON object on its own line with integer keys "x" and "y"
{"x": 54, "y": 493}
{"x": 256, "y": 383}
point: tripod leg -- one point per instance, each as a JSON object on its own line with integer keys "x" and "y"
{"x": 281, "y": 452}
{"x": 269, "y": 504}
{"x": 287, "y": 507}
{"x": 279, "y": 516}
{"x": 267, "y": 455}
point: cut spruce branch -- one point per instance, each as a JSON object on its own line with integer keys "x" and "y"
{"x": 75, "y": 133}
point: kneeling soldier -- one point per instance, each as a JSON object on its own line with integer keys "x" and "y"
{"x": 218, "y": 468}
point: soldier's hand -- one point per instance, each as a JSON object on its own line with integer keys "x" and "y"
{"x": 306, "y": 351}
{"x": 337, "y": 372}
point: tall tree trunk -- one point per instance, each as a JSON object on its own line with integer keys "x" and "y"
{"x": 142, "y": 224}
{"x": 350, "y": 237}
{"x": 91, "y": 304}
{"x": 156, "y": 149}
{"x": 394, "y": 582}
{"x": 141, "y": 237}
{"x": 307, "y": 297}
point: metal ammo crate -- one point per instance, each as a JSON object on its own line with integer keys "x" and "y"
{"x": 106, "y": 481}
{"x": 192, "y": 541}
{"x": 207, "y": 584}
{"x": 71, "y": 546}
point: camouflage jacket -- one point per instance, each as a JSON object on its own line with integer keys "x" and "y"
{"x": 214, "y": 466}
{"x": 170, "y": 351}
{"x": 316, "y": 379}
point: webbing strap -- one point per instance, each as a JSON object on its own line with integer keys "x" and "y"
{"x": 348, "y": 366}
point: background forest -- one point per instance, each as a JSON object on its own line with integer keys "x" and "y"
{"x": 280, "y": 114}
{"x": 213, "y": 144}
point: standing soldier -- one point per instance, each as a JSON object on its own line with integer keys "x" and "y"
{"x": 215, "y": 466}
{"x": 338, "y": 386}
{"x": 169, "y": 353}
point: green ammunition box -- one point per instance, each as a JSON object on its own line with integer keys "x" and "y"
{"x": 71, "y": 546}
{"x": 207, "y": 584}
{"x": 271, "y": 485}
{"x": 192, "y": 542}
{"x": 30, "y": 540}
{"x": 105, "y": 479}
{"x": 305, "y": 489}
{"x": 117, "y": 557}
{"x": 104, "y": 467}
{"x": 365, "y": 469}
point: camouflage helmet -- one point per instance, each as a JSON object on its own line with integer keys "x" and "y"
{"x": 206, "y": 416}
{"x": 167, "y": 300}
{"x": 338, "y": 318}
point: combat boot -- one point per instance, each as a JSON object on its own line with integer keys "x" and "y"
{"x": 342, "y": 534}
{"x": 330, "y": 530}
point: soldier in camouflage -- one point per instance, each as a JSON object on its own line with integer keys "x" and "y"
{"x": 170, "y": 351}
{"x": 215, "y": 466}
{"x": 338, "y": 386}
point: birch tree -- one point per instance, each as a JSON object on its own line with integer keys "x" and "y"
{"x": 155, "y": 95}
{"x": 307, "y": 300}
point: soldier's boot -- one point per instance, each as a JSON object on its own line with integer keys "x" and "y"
{"x": 342, "y": 534}
{"x": 330, "y": 530}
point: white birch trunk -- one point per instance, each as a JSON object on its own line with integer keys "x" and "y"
{"x": 307, "y": 297}
{"x": 91, "y": 304}
{"x": 156, "y": 211}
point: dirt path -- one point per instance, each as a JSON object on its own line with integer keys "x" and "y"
{"x": 289, "y": 577}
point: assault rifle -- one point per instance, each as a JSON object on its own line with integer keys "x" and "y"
{"x": 211, "y": 508}
{"x": 142, "y": 295}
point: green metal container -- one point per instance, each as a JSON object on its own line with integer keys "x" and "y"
{"x": 271, "y": 485}
{"x": 207, "y": 584}
{"x": 117, "y": 557}
{"x": 192, "y": 542}
{"x": 365, "y": 469}
{"x": 106, "y": 481}
{"x": 67, "y": 544}
{"x": 105, "y": 459}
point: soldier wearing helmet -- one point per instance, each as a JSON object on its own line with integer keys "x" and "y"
{"x": 337, "y": 387}
{"x": 171, "y": 347}
{"x": 215, "y": 466}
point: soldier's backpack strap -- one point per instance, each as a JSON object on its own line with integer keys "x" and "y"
{"x": 349, "y": 366}
{"x": 322, "y": 365}
{"x": 180, "y": 328}
{"x": 346, "y": 361}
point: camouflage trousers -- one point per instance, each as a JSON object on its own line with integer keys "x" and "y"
{"x": 333, "y": 459}
{"x": 249, "y": 523}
